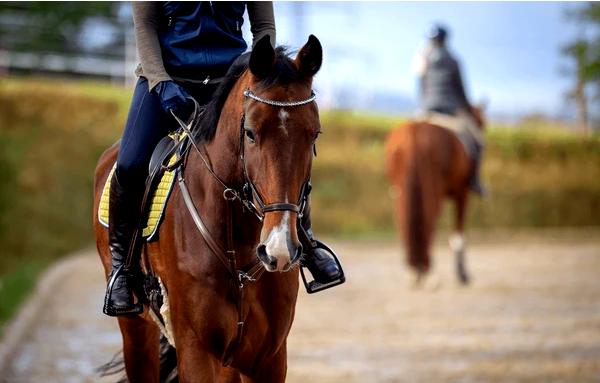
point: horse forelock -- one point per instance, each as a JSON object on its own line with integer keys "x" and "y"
{"x": 285, "y": 72}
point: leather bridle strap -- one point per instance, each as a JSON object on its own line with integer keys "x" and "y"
{"x": 263, "y": 208}
{"x": 217, "y": 249}
{"x": 281, "y": 207}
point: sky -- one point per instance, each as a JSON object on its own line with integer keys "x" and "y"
{"x": 509, "y": 51}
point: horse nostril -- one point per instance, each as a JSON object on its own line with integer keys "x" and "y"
{"x": 261, "y": 252}
{"x": 273, "y": 262}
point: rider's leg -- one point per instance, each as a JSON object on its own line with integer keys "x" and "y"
{"x": 475, "y": 179}
{"x": 146, "y": 125}
{"x": 319, "y": 261}
{"x": 475, "y": 142}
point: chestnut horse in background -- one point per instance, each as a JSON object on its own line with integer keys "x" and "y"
{"x": 230, "y": 327}
{"x": 427, "y": 163}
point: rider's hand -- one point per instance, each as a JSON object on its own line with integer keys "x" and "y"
{"x": 174, "y": 97}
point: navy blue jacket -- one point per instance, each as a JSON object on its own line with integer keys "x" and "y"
{"x": 201, "y": 37}
{"x": 188, "y": 41}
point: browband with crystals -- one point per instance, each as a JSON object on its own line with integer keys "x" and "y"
{"x": 248, "y": 93}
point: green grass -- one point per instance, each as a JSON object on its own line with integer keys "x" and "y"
{"x": 53, "y": 131}
{"x": 51, "y": 135}
{"x": 538, "y": 176}
{"x": 15, "y": 286}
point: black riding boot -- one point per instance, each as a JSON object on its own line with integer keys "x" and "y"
{"x": 475, "y": 182}
{"x": 475, "y": 178}
{"x": 319, "y": 259}
{"x": 124, "y": 220}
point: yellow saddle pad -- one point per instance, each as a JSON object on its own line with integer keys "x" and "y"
{"x": 159, "y": 201}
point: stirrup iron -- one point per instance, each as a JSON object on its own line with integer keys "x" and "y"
{"x": 312, "y": 286}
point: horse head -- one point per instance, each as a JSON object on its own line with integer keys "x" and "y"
{"x": 278, "y": 133}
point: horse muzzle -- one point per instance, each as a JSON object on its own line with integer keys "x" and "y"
{"x": 280, "y": 250}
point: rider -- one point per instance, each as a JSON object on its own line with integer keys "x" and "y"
{"x": 442, "y": 91}
{"x": 184, "y": 47}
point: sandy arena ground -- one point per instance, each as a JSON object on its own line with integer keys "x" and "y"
{"x": 532, "y": 314}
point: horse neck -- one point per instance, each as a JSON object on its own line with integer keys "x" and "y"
{"x": 224, "y": 148}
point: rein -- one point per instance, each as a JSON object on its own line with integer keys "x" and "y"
{"x": 246, "y": 197}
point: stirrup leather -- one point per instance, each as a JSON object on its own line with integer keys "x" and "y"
{"x": 312, "y": 286}
{"x": 109, "y": 309}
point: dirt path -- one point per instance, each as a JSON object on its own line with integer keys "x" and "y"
{"x": 531, "y": 314}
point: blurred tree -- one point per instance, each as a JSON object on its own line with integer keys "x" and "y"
{"x": 49, "y": 26}
{"x": 585, "y": 53}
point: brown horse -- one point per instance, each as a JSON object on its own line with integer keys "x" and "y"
{"x": 259, "y": 130}
{"x": 427, "y": 163}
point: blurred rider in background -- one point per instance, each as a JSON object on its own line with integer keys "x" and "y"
{"x": 442, "y": 92}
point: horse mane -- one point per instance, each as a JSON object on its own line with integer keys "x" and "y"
{"x": 284, "y": 73}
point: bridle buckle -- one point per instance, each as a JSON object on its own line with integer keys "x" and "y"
{"x": 230, "y": 194}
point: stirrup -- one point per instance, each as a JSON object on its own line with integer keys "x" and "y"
{"x": 313, "y": 286}
{"x": 108, "y": 309}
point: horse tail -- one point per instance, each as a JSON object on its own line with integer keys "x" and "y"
{"x": 415, "y": 222}
{"x": 406, "y": 172}
{"x": 168, "y": 364}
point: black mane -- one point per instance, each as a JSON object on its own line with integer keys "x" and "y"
{"x": 284, "y": 72}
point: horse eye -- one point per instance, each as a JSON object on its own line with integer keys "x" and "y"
{"x": 250, "y": 135}
{"x": 317, "y": 135}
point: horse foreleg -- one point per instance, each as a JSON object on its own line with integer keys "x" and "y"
{"x": 271, "y": 370}
{"x": 140, "y": 349}
{"x": 195, "y": 364}
{"x": 457, "y": 239}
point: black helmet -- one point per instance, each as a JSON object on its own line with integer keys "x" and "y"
{"x": 438, "y": 32}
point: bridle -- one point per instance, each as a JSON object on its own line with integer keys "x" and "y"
{"x": 250, "y": 192}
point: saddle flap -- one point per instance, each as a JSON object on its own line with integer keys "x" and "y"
{"x": 163, "y": 151}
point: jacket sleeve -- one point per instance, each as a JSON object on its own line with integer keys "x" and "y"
{"x": 146, "y": 19}
{"x": 262, "y": 20}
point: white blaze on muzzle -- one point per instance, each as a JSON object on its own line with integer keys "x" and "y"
{"x": 276, "y": 244}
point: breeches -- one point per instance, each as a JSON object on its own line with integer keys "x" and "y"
{"x": 147, "y": 123}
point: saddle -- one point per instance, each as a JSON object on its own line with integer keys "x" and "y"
{"x": 161, "y": 176}
{"x": 462, "y": 125}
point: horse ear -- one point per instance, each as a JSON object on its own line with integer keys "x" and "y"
{"x": 310, "y": 57}
{"x": 262, "y": 58}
